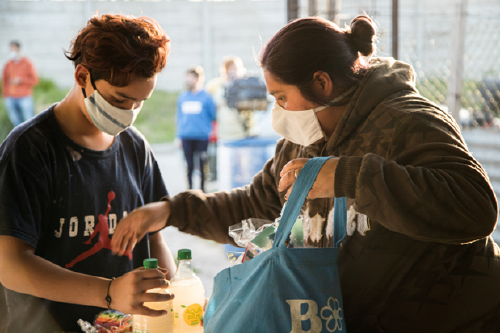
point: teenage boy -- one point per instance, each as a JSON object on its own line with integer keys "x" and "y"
{"x": 70, "y": 174}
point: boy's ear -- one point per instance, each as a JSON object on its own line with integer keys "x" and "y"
{"x": 82, "y": 74}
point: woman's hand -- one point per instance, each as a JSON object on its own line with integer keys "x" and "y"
{"x": 128, "y": 292}
{"x": 323, "y": 186}
{"x": 131, "y": 229}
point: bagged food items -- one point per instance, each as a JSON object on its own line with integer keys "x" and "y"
{"x": 247, "y": 230}
{"x": 109, "y": 321}
{"x": 257, "y": 236}
{"x": 86, "y": 326}
{"x": 296, "y": 238}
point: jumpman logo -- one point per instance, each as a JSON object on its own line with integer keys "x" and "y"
{"x": 104, "y": 242}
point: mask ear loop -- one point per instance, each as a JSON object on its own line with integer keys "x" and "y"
{"x": 341, "y": 97}
{"x": 91, "y": 82}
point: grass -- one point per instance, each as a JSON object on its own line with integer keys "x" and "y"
{"x": 156, "y": 119}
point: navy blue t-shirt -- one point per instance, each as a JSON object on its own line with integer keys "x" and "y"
{"x": 66, "y": 201}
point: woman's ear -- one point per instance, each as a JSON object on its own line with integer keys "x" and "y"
{"x": 323, "y": 85}
{"x": 81, "y": 75}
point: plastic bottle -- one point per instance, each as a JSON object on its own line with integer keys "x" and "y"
{"x": 162, "y": 324}
{"x": 189, "y": 296}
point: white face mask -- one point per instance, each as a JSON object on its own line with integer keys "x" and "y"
{"x": 13, "y": 55}
{"x": 301, "y": 127}
{"x": 109, "y": 118}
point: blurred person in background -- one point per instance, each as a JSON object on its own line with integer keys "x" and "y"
{"x": 18, "y": 79}
{"x": 229, "y": 126}
{"x": 196, "y": 112}
{"x": 70, "y": 174}
{"x": 230, "y": 69}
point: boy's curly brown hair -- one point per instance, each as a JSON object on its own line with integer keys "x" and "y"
{"x": 118, "y": 48}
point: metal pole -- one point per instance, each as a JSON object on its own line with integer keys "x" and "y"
{"x": 338, "y": 7}
{"x": 312, "y": 8}
{"x": 292, "y": 9}
{"x": 330, "y": 10}
{"x": 395, "y": 19}
{"x": 457, "y": 60}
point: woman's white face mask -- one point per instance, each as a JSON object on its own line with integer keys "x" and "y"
{"x": 106, "y": 117}
{"x": 301, "y": 127}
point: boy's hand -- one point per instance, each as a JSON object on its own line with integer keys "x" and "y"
{"x": 132, "y": 228}
{"x": 128, "y": 292}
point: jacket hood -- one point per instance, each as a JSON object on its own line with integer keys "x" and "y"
{"x": 384, "y": 78}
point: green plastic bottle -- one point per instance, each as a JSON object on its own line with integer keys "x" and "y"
{"x": 189, "y": 296}
{"x": 162, "y": 324}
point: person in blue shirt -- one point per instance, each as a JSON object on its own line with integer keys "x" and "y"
{"x": 195, "y": 115}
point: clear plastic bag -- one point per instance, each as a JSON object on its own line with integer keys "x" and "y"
{"x": 247, "y": 230}
{"x": 257, "y": 236}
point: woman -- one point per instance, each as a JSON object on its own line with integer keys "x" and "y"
{"x": 418, "y": 256}
{"x": 70, "y": 174}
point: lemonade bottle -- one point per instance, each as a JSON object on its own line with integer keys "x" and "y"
{"x": 162, "y": 324}
{"x": 189, "y": 296}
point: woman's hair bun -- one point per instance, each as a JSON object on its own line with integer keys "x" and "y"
{"x": 362, "y": 35}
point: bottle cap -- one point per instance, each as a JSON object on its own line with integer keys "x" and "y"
{"x": 184, "y": 254}
{"x": 150, "y": 263}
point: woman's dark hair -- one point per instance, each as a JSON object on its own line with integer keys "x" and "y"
{"x": 119, "y": 48}
{"x": 308, "y": 45}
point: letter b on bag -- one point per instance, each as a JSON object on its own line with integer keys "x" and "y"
{"x": 298, "y": 317}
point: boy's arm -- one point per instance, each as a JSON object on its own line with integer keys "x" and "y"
{"x": 160, "y": 250}
{"x": 24, "y": 272}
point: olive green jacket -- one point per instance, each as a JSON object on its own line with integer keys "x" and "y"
{"x": 418, "y": 256}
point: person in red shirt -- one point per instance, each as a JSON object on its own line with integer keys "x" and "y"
{"x": 19, "y": 77}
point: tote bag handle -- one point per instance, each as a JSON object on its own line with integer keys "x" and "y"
{"x": 301, "y": 188}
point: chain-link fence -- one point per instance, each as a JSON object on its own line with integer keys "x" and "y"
{"x": 426, "y": 31}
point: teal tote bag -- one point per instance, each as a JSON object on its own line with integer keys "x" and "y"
{"x": 289, "y": 290}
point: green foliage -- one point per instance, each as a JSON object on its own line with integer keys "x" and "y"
{"x": 47, "y": 93}
{"x": 156, "y": 120}
{"x": 5, "y": 124}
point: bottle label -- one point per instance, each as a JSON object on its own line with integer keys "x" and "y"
{"x": 192, "y": 314}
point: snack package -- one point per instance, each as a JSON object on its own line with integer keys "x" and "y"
{"x": 109, "y": 321}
